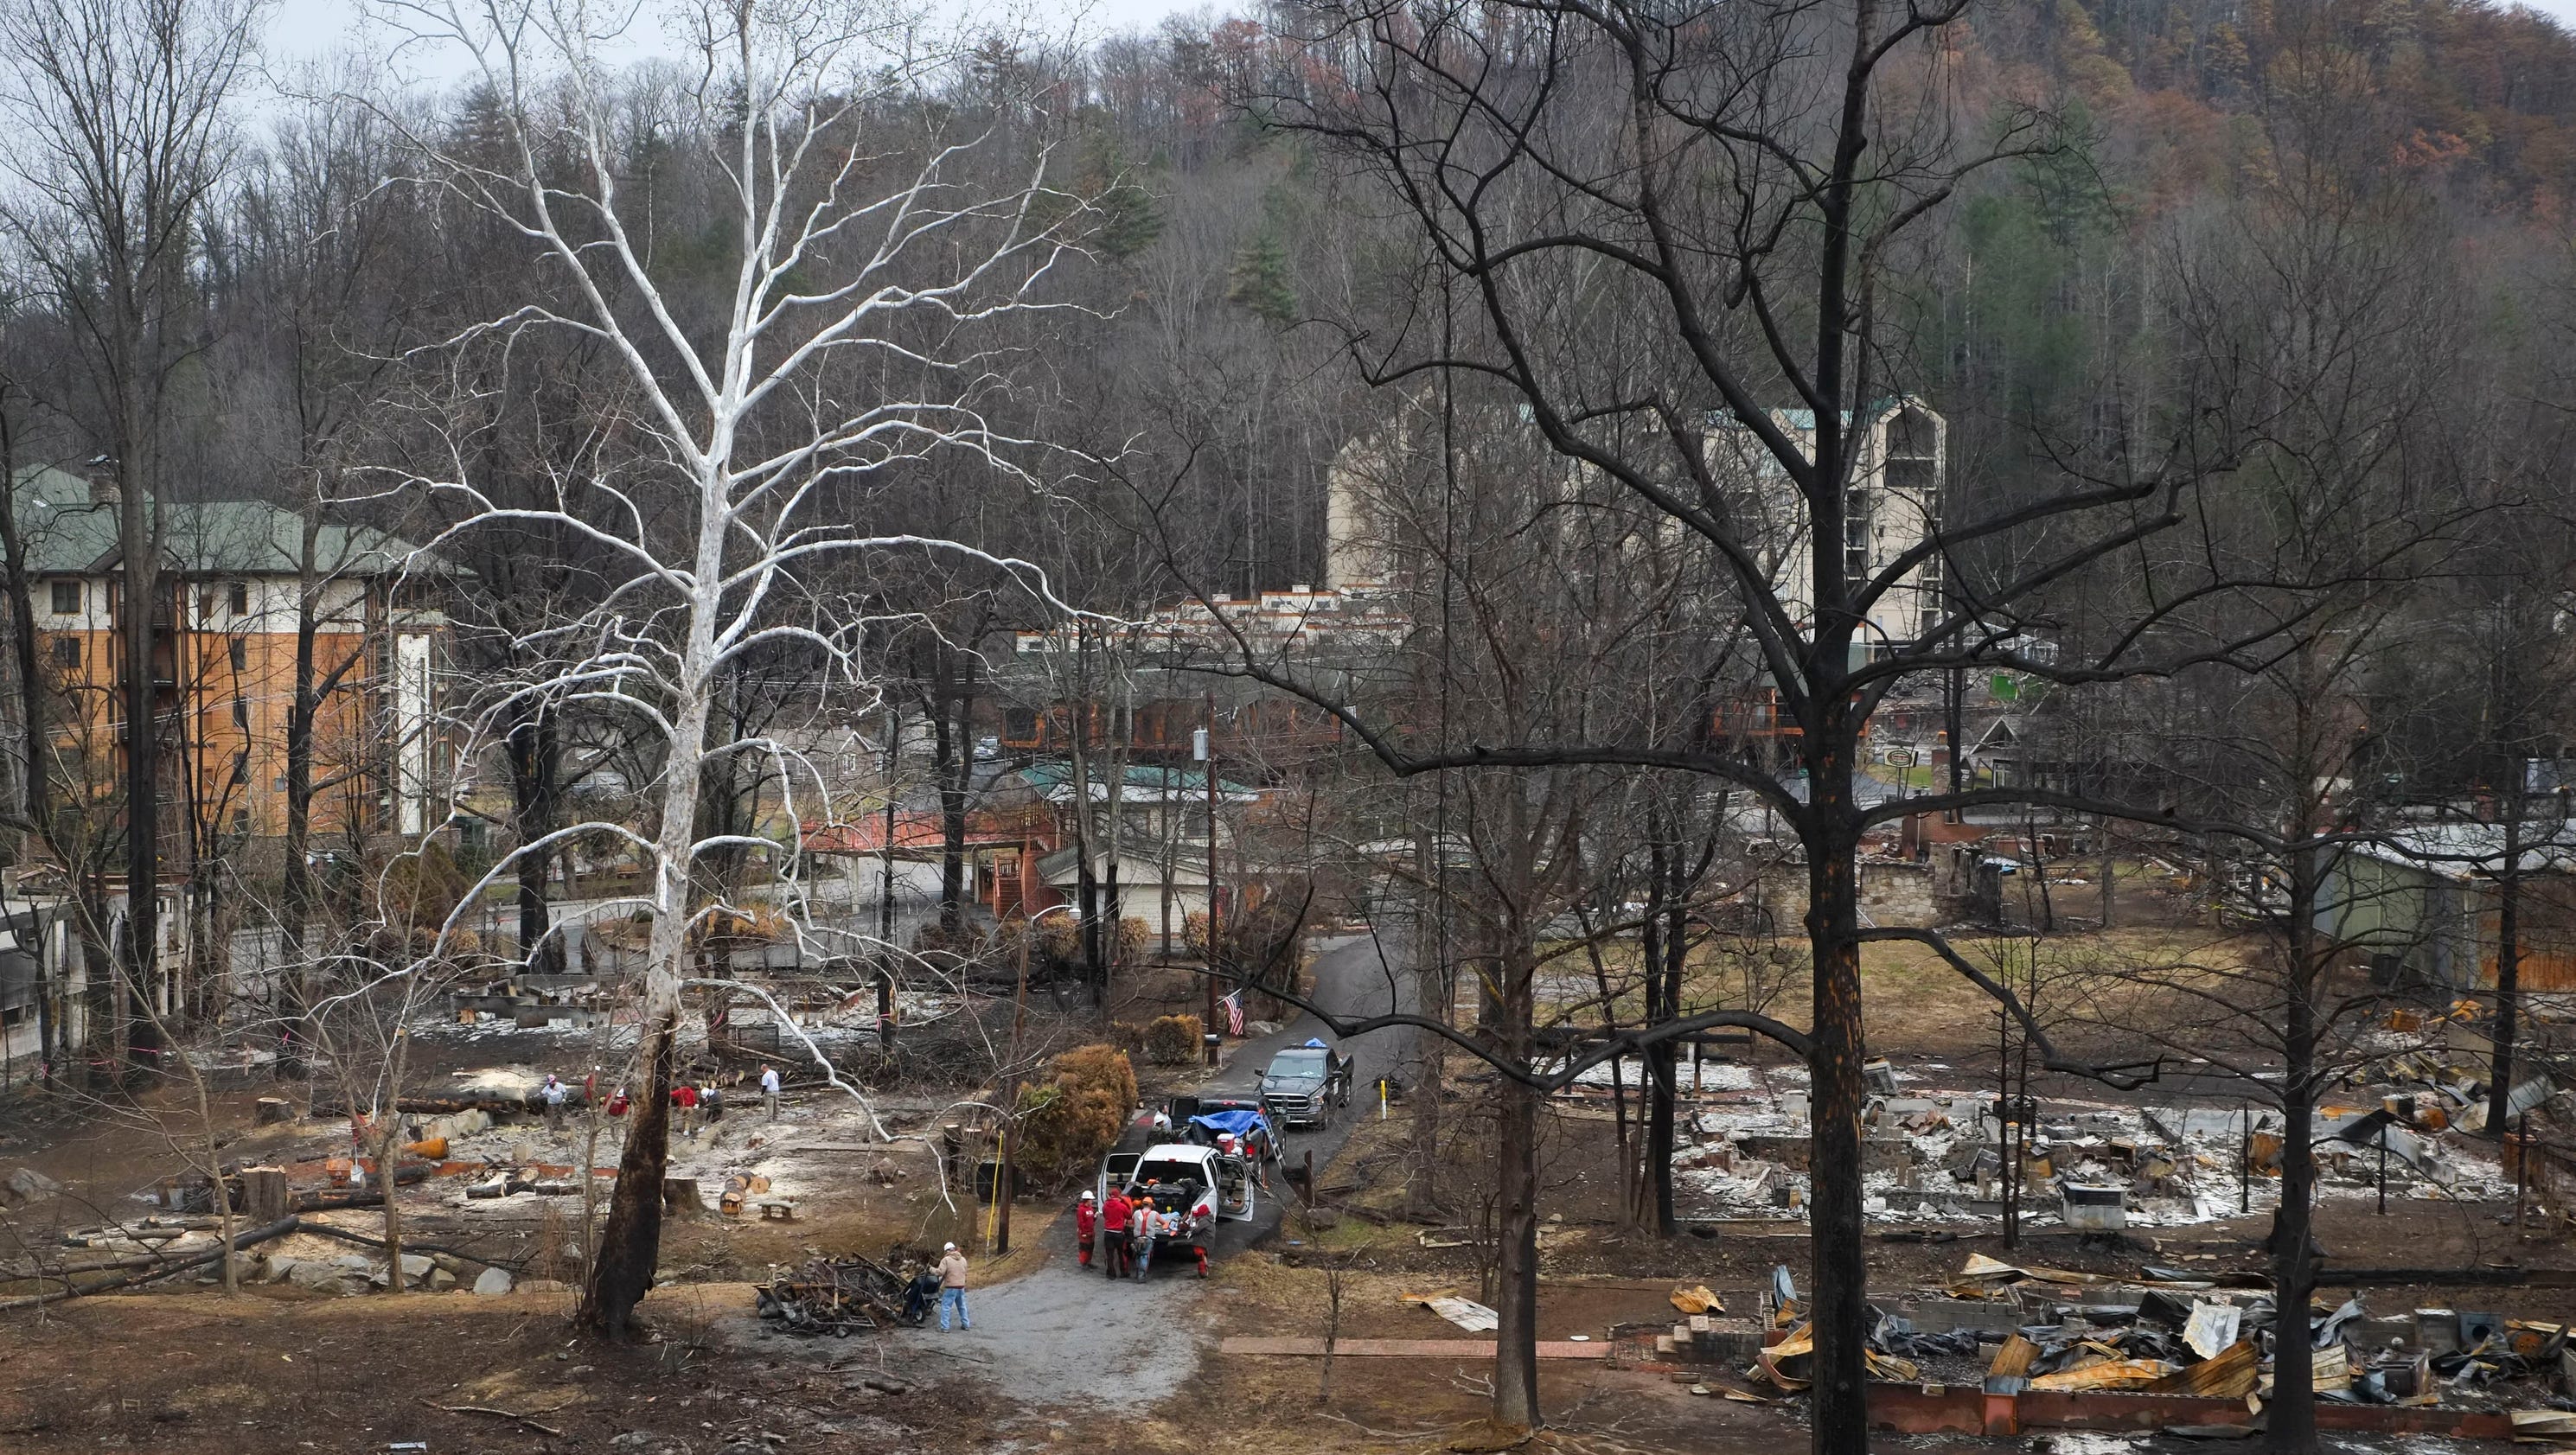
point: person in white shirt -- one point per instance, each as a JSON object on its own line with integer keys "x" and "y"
{"x": 769, "y": 1090}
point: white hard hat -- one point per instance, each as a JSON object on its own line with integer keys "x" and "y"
{"x": 1086, "y": 1195}
{"x": 948, "y": 1248}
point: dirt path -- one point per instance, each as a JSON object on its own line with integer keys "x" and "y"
{"x": 1063, "y": 1333}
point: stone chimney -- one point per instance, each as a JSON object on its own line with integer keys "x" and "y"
{"x": 102, "y": 481}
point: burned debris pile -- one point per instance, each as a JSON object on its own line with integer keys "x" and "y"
{"x": 2005, "y": 1330}
{"x": 843, "y": 1296}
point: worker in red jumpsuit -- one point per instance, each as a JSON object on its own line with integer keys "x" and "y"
{"x": 1086, "y": 1218}
{"x": 1113, "y": 1232}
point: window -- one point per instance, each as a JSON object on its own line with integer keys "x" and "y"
{"x": 241, "y": 655}
{"x": 67, "y": 598}
{"x": 241, "y": 713}
{"x": 239, "y": 592}
{"x": 67, "y": 652}
{"x": 241, "y": 765}
{"x": 1856, "y": 538}
{"x": 1911, "y": 435}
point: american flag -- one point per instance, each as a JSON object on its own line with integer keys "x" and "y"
{"x": 1233, "y": 1013}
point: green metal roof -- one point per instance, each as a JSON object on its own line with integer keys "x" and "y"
{"x": 1048, "y": 776}
{"x": 68, "y": 534}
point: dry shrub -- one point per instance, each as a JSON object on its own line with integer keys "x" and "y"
{"x": 1103, "y": 1066}
{"x": 931, "y": 939}
{"x": 1070, "y": 1120}
{"x": 1059, "y": 939}
{"x": 548, "y": 1255}
{"x": 1173, "y": 1040}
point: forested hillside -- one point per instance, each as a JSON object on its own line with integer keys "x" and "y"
{"x": 1246, "y": 271}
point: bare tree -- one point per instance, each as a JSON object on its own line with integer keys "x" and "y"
{"x": 310, "y": 276}
{"x": 2326, "y": 296}
{"x": 864, "y": 258}
{"x": 122, "y": 127}
{"x": 396, "y": 967}
{"x": 1670, "y": 238}
{"x": 1517, "y": 639}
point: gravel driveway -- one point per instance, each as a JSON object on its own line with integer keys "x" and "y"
{"x": 1064, "y": 1333}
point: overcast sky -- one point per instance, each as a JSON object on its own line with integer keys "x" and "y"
{"x": 310, "y": 29}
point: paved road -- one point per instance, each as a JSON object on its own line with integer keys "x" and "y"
{"x": 1066, "y": 1333}
{"x": 1352, "y": 979}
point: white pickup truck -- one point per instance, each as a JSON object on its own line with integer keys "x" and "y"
{"x": 1207, "y": 1186}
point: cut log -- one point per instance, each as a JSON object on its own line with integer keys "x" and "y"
{"x": 255, "y": 1236}
{"x": 404, "y": 1176}
{"x": 272, "y": 1109}
{"x": 434, "y": 1105}
{"x": 265, "y": 1196}
{"x": 409, "y": 1246}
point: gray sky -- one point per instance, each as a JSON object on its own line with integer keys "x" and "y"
{"x": 314, "y": 28}
{"x": 311, "y": 29}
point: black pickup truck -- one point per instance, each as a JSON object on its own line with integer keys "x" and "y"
{"x": 1304, "y": 1083}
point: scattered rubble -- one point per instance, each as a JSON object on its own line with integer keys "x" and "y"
{"x": 1935, "y": 1156}
{"x": 1466, "y": 1313}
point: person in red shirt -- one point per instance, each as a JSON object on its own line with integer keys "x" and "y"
{"x": 1113, "y": 1232}
{"x": 1085, "y": 1215}
{"x": 685, "y": 1098}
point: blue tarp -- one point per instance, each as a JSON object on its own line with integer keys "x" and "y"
{"x": 1315, "y": 1043}
{"x": 1234, "y": 1123}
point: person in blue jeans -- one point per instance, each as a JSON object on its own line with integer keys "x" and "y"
{"x": 952, "y": 1287}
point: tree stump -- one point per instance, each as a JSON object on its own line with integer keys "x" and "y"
{"x": 265, "y": 1198}
{"x": 680, "y": 1197}
{"x": 271, "y": 1110}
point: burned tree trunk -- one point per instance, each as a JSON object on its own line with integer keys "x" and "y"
{"x": 1841, "y": 1312}
{"x": 535, "y": 766}
{"x": 1666, "y": 947}
{"x": 1516, "y": 1196}
{"x": 35, "y": 742}
{"x": 2293, "y": 1414}
{"x": 630, "y": 1242}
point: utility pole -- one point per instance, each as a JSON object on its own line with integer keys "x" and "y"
{"x": 1207, "y": 762}
{"x": 1002, "y": 1171}
{"x": 1953, "y": 691}
{"x": 885, "y": 885}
